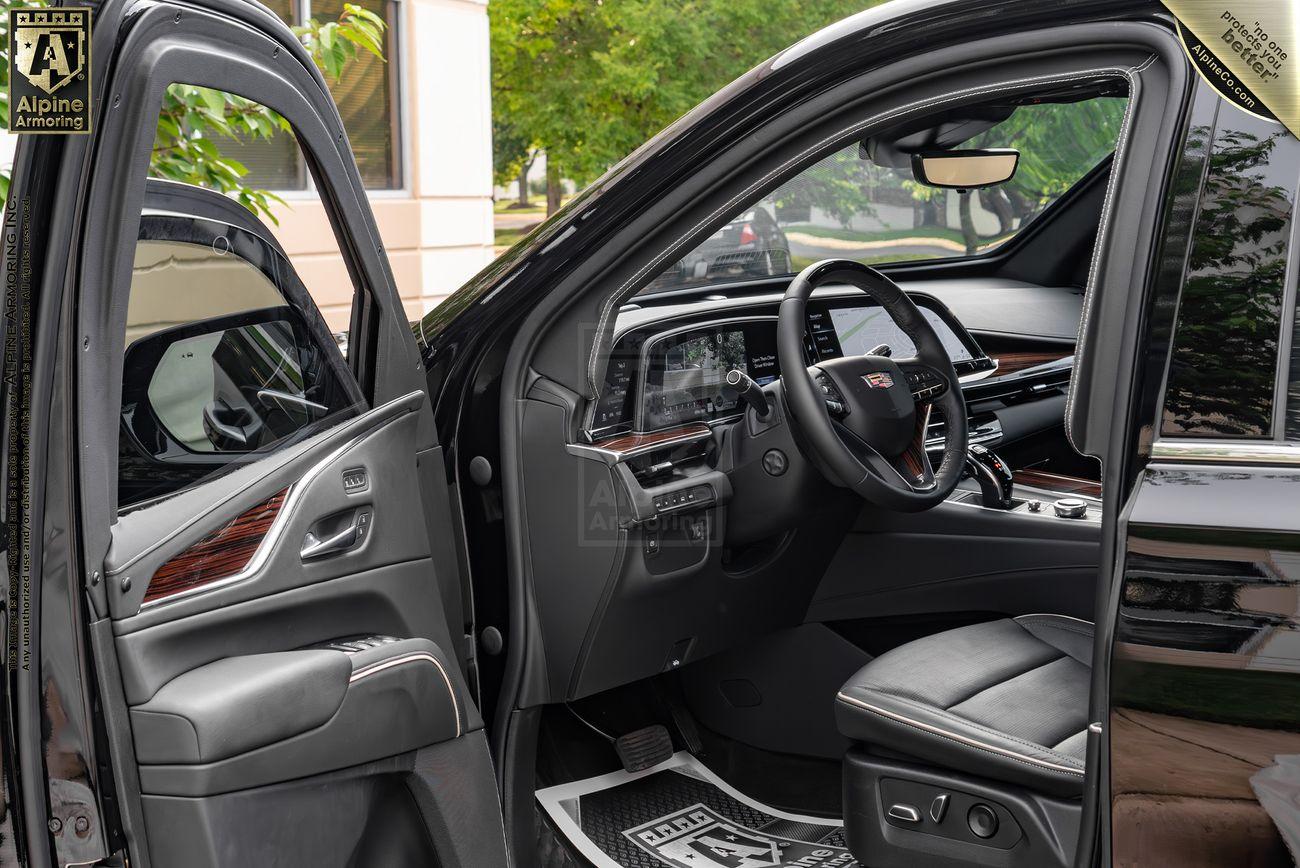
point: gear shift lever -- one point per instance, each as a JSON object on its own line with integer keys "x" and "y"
{"x": 993, "y": 475}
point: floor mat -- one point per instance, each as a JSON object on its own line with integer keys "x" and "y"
{"x": 680, "y": 814}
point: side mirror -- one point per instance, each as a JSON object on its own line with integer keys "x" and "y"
{"x": 228, "y": 384}
{"x": 965, "y": 170}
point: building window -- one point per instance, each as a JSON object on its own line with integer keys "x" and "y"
{"x": 368, "y": 99}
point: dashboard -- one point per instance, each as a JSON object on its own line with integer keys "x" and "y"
{"x": 671, "y": 372}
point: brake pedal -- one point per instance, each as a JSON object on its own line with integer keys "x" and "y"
{"x": 643, "y": 748}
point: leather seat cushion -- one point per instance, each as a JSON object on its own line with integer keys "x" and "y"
{"x": 1005, "y": 699}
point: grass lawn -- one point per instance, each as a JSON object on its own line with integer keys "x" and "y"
{"x": 875, "y": 234}
{"x": 536, "y": 207}
{"x": 510, "y": 237}
{"x": 799, "y": 263}
{"x": 510, "y": 206}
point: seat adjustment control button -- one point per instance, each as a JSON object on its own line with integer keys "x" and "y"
{"x": 939, "y": 807}
{"x": 983, "y": 821}
{"x": 906, "y": 813}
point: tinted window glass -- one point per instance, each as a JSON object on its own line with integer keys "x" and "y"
{"x": 226, "y": 357}
{"x": 851, "y": 206}
{"x": 367, "y": 99}
{"x": 1223, "y": 367}
{"x": 231, "y": 349}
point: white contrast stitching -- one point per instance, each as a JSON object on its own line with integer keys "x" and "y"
{"x": 1026, "y": 617}
{"x": 965, "y": 721}
{"x": 952, "y": 736}
{"x": 1121, "y": 148}
{"x": 632, "y": 283}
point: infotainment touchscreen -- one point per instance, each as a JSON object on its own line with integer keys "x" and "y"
{"x": 686, "y": 376}
{"x": 855, "y": 331}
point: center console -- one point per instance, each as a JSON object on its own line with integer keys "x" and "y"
{"x": 990, "y": 483}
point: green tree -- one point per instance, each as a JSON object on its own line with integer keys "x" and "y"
{"x": 587, "y": 81}
{"x": 193, "y": 119}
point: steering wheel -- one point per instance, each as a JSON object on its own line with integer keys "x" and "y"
{"x": 865, "y": 416}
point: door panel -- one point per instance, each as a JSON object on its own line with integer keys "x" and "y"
{"x": 284, "y": 681}
{"x": 380, "y": 442}
{"x": 1205, "y": 667}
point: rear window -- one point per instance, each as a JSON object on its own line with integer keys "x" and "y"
{"x": 846, "y": 206}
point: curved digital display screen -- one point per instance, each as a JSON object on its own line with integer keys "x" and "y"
{"x": 659, "y": 380}
{"x": 686, "y": 377}
{"x": 862, "y": 329}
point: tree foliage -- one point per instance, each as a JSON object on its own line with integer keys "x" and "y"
{"x": 1222, "y": 366}
{"x": 588, "y": 81}
{"x": 194, "y": 120}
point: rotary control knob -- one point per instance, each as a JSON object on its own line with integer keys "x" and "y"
{"x": 983, "y": 821}
{"x": 1071, "y": 507}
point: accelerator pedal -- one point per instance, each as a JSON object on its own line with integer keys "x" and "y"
{"x": 643, "y": 748}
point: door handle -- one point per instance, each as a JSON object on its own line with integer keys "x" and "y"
{"x": 319, "y": 543}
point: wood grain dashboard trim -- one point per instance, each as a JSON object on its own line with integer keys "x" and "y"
{"x": 1013, "y": 363}
{"x": 628, "y": 445}
{"x": 1057, "y": 482}
{"x": 223, "y": 553}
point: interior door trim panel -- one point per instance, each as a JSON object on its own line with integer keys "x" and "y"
{"x": 197, "y": 738}
{"x": 386, "y": 447}
{"x": 227, "y": 554}
{"x": 146, "y": 538}
{"x": 416, "y": 657}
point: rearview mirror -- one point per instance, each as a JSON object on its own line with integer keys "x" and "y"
{"x": 965, "y": 170}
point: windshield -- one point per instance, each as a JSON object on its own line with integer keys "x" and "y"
{"x": 848, "y": 207}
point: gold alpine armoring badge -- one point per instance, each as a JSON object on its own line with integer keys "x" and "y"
{"x": 49, "y": 70}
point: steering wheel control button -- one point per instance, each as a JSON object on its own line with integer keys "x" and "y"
{"x": 939, "y": 807}
{"x": 904, "y": 813}
{"x": 1071, "y": 507}
{"x": 775, "y": 462}
{"x": 924, "y": 384}
{"x": 983, "y": 821}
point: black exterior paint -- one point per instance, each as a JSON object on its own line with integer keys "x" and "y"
{"x": 1184, "y": 564}
{"x": 1205, "y": 663}
{"x": 1205, "y": 673}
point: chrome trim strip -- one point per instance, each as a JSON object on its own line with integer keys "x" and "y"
{"x": 1226, "y": 452}
{"x": 414, "y": 657}
{"x": 268, "y": 543}
{"x": 612, "y": 457}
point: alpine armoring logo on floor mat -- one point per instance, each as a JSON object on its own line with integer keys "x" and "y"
{"x": 697, "y": 837}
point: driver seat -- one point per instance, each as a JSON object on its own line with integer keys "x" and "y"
{"x": 993, "y": 715}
